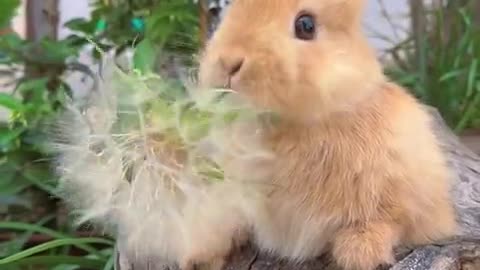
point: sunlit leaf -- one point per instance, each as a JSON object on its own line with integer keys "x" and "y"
{"x": 10, "y": 102}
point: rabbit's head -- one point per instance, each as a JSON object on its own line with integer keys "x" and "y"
{"x": 301, "y": 58}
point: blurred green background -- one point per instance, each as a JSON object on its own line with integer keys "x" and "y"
{"x": 438, "y": 60}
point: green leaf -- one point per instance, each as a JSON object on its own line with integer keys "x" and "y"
{"x": 51, "y": 245}
{"x": 16, "y": 245}
{"x": 469, "y": 114}
{"x": 472, "y": 74}
{"x": 81, "y": 25}
{"x": 30, "y": 85}
{"x": 46, "y": 231}
{"x": 450, "y": 75}
{"x": 9, "y": 138}
{"x": 10, "y": 182}
{"x": 144, "y": 57}
{"x": 11, "y": 103}
{"x": 110, "y": 263}
{"x": 56, "y": 260}
{"x": 8, "y": 11}
{"x": 39, "y": 176}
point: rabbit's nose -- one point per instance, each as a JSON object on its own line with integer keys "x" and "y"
{"x": 233, "y": 65}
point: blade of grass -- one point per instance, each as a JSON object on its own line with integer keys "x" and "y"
{"x": 453, "y": 74}
{"x": 110, "y": 263}
{"x": 469, "y": 112}
{"x": 10, "y": 102}
{"x": 50, "y": 245}
{"x": 60, "y": 260}
{"x": 471, "y": 78}
{"x": 39, "y": 229}
{"x": 17, "y": 244}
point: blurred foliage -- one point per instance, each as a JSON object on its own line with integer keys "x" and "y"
{"x": 56, "y": 254}
{"x": 9, "y": 7}
{"x": 444, "y": 71}
{"x": 34, "y": 71}
{"x": 37, "y": 95}
{"x": 151, "y": 25}
{"x": 31, "y": 101}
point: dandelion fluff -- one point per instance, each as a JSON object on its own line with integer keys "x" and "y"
{"x": 158, "y": 169}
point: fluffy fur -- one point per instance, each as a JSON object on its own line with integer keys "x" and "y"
{"x": 357, "y": 169}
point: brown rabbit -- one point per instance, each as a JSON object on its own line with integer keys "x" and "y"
{"x": 358, "y": 169}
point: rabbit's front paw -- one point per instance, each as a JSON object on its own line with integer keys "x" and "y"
{"x": 365, "y": 247}
{"x": 198, "y": 263}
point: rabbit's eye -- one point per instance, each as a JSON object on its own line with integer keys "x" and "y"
{"x": 305, "y": 27}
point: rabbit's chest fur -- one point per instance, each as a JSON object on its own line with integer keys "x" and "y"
{"x": 318, "y": 184}
{"x": 353, "y": 169}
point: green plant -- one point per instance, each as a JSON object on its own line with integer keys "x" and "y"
{"x": 27, "y": 182}
{"x": 36, "y": 97}
{"x": 57, "y": 254}
{"x": 7, "y": 11}
{"x": 150, "y": 25}
{"x": 443, "y": 70}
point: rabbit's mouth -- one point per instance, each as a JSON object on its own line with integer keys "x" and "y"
{"x": 222, "y": 95}
{"x": 228, "y": 83}
{"x": 215, "y": 79}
